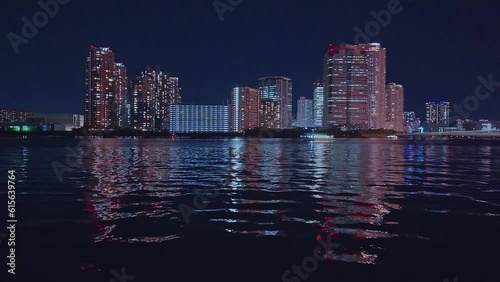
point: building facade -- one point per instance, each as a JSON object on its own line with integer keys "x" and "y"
{"x": 120, "y": 101}
{"x": 394, "y": 105}
{"x": 305, "y": 113}
{"x": 153, "y": 91}
{"x": 245, "y": 108}
{"x": 199, "y": 119}
{"x": 438, "y": 113}
{"x": 376, "y": 58}
{"x": 354, "y": 78}
{"x": 318, "y": 99}
{"x": 276, "y": 103}
{"x": 345, "y": 78}
{"x": 106, "y": 91}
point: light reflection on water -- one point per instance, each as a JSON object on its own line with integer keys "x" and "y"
{"x": 348, "y": 189}
{"x": 270, "y": 187}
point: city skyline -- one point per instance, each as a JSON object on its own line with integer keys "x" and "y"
{"x": 453, "y": 81}
{"x": 234, "y": 140}
{"x": 355, "y": 96}
{"x": 354, "y": 90}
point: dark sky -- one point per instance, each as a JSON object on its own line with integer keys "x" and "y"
{"x": 436, "y": 49}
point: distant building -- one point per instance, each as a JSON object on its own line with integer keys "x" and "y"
{"x": 153, "y": 91}
{"x": 245, "y": 108}
{"x": 276, "y": 102}
{"x": 13, "y": 115}
{"x": 318, "y": 105}
{"x": 58, "y": 122}
{"x": 199, "y": 119}
{"x": 305, "y": 112}
{"x": 460, "y": 124}
{"x": 106, "y": 90}
{"x": 394, "y": 107}
{"x": 438, "y": 113}
{"x": 411, "y": 122}
{"x": 481, "y": 125}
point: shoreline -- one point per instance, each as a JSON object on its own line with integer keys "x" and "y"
{"x": 265, "y": 135}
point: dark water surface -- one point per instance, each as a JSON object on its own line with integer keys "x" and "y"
{"x": 391, "y": 210}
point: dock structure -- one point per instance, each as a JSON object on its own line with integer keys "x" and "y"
{"x": 488, "y": 135}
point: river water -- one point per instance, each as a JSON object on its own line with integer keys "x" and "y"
{"x": 255, "y": 210}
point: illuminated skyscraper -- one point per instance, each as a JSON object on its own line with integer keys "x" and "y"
{"x": 142, "y": 102}
{"x": 304, "y": 112}
{"x": 276, "y": 102}
{"x": 245, "y": 108}
{"x": 152, "y": 94}
{"x": 431, "y": 109}
{"x": 318, "y": 104}
{"x": 346, "y": 76}
{"x": 119, "y": 107}
{"x": 395, "y": 107}
{"x": 376, "y": 56}
{"x": 354, "y": 86}
{"x": 105, "y": 82}
{"x": 438, "y": 113}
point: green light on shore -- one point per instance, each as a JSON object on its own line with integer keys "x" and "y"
{"x": 22, "y": 128}
{"x": 15, "y": 128}
{"x": 27, "y": 128}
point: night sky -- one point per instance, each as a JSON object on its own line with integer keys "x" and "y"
{"x": 436, "y": 49}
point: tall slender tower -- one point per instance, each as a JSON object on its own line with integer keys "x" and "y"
{"x": 376, "y": 56}
{"x": 120, "y": 101}
{"x": 174, "y": 97}
{"x": 276, "y": 94}
{"x": 395, "y": 107}
{"x": 304, "y": 112}
{"x": 245, "y": 108}
{"x": 103, "y": 93}
{"x": 346, "y": 99}
{"x": 318, "y": 99}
